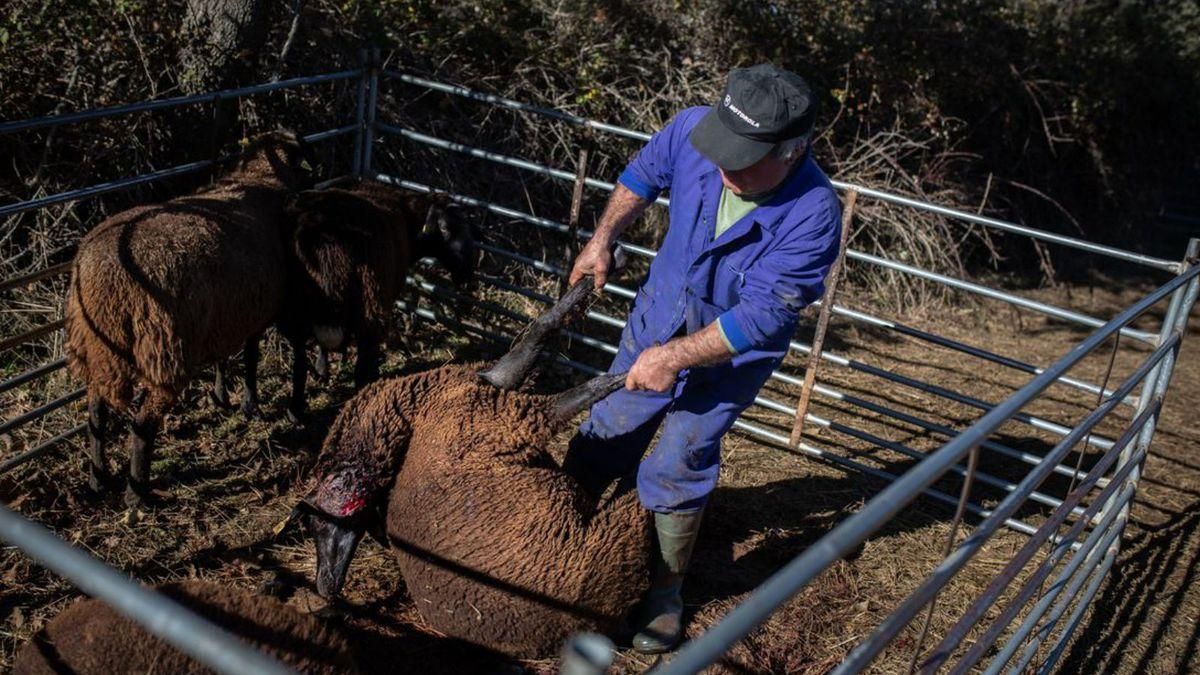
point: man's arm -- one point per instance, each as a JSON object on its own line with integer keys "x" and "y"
{"x": 624, "y": 207}
{"x": 657, "y": 367}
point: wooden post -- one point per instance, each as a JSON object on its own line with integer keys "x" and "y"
{"x": 831, "y": 285}
{"x": 572, "y": 247}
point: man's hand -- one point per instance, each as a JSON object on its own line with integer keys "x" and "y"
{"x": 595, "y": 259}
{"x": 657, "y": 367}
{"x": 655, "y": 370}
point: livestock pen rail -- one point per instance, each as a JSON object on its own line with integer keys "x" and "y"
{"x": 1080, "y": 526}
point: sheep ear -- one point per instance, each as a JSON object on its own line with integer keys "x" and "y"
{"x": 512, "y": 368}
{"x": 572, "y": 401}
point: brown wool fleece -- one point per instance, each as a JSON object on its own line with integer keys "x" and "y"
{"x": 157, "y": 292}
{"x": 90, "y": 638}
{"x": 353, "y": 247}
{"x": 497, "y": 545}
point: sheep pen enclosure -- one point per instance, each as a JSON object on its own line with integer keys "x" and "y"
{"x": 976, "y": 488}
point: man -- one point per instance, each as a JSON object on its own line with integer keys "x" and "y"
{"x": 753, "y": 231}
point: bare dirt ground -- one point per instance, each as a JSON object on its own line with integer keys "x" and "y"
{"x": 225, "y": 482}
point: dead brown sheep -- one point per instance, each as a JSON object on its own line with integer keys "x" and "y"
{"x": 158, "y": 292}
{"x": 352, "y": 248}
{"x": 89, "y": 637}
{"x": 497, "y": 544}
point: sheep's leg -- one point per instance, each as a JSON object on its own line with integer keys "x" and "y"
{"x": 512, "y": 368}
{"x": 250, "y": 359}
{"x": 146, "y": 424}
{"x": 220, "y": 392}
{"x": 322, "y": 366}
{"x": 298, "y": 404}
{"x": 98, "y": 476}
{"x": 366, "y": 366}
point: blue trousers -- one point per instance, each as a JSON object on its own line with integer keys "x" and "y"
{"x": 682, "y": 470}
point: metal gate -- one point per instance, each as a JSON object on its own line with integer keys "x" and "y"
{"x": 1082, "y": 530}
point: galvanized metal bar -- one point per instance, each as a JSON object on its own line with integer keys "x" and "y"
{"x": 949, "y": 394}
{"x": 1085, "y": 602}
{"x": 646, "y": 252}
{"x": 760, "y": 400}
{"x": 1174, "y": 323}
{"x": 30, "y": 277}
{"x": 516, "y": 105}
{"x": 40, "y": 449}
{"x": 18, "y": 340}
{"x": 979, "y": 352}
{"x": 159, "y": 104}
{"x": 41, "y": 411}
{"x": 1095, "y": 549}
{"x": 1018, "y": 561}
{"x": 994, "y": 223}
{"x": 372, "y": 110}
{"x": 125, "y": 183}
{"x": 953, "y": 563}
{"x": 1013, "y": 228}
{"x": 984, "y": 291}
{"x": 34, "y": 373}
{"x": 329, "y": 133}
{"x": 498, "y": 158}
{"x": 360, "y": 115}
{"x": 183, "y": 629}
{"x": 842, "y": 539}
{"x": 104, "y": 188}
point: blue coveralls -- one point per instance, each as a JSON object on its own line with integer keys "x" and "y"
{"x": 754, "y": 279}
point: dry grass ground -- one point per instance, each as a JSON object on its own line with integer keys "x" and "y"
{"x": 225, "y": 482}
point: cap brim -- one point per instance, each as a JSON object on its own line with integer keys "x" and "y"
{"x": 724, "y": 148}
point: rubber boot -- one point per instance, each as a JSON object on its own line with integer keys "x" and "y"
{"x": 661, "y": 619}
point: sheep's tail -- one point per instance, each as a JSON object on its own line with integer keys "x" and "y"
{"x": 93, "y": 356}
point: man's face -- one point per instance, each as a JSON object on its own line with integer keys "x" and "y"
{"x": 762, "y": 176}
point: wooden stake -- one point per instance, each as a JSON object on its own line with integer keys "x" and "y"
{"x": 831, "y": 285}
{"x": 572, "y": 247}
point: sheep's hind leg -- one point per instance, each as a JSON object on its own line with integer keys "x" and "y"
{"x": 220, "y": 390}
{"x": 98, "y": 476}
{"x": 250, "y": 359}
{"x": 298, "y": 404}
{"x": 146, "y": 425}
{"x": 366, "y": 365}
{"x": 321, "y": 369}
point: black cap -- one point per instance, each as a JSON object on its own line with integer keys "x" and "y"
{"x": 762, "y": 106}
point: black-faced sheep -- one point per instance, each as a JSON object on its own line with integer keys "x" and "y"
{"x": 158, "y": 292}
{"x": 497, "y": 544}
{"x": 352, "y": 248}
{"x": 91, "y": 638}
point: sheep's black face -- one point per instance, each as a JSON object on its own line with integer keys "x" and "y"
{"x": 447, "y": 237}
{"x": 337, "y": 540}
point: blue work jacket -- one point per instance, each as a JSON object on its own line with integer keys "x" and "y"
{"x": 755, "y": 278}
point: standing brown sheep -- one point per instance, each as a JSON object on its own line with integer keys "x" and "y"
{"x": 352, "y": 248}
{"x": 91, "y": 638}
{"x": 497, "y": 544}
{"x": 158, "y": 292}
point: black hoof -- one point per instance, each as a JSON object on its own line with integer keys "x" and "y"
{"x": 250, "y": 411}
{"x": 297, "y": 417}
{"x": 100, "y": 482}
{"x": 136, "y": 498}
{"x": 219, "y": 400}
